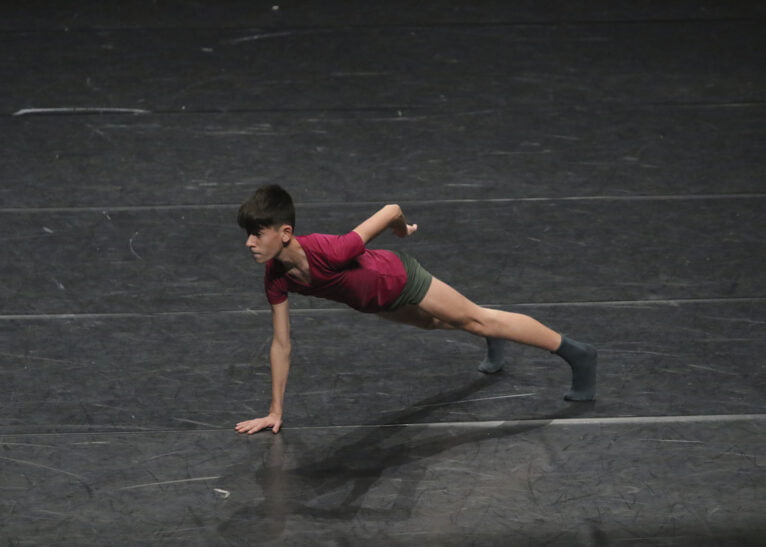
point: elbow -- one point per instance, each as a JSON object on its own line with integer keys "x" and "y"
{"x": 282, "y": 347}
{"x": 396, "y": 210}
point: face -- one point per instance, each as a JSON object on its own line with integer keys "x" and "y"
{"x": 268, "y": 243}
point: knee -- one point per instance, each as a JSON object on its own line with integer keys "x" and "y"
{"x": 475, "y": 326}
{"x": 468, "y": 324}
{"x": 433, "y": 324}
{"x": 478, "y": 323}
{"x": 425, "y": 322}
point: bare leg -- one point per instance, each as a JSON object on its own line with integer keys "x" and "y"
{"x": 447, "y": 306}
{"x": 416, "y": 317}
{"x": 450, "y": 307}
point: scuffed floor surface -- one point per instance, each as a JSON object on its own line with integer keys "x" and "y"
{"x": 597, "y": 165}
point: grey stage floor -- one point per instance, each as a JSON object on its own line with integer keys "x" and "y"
{"x": 597, "y": 165}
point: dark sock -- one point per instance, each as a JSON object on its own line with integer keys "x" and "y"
{"x": 495, "y": 356}
{"x": 582, "y": 358}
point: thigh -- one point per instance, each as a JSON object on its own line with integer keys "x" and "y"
{"x": 412, "y": 315}
{"x": 448, "y": 305}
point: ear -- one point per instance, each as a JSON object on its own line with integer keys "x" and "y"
{"x": 286, "y": 234}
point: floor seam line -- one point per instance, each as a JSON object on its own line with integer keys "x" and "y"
{"x": 265, "y": 310}
{"x": 614, "y": 420}
{"x": 408, "y": 203}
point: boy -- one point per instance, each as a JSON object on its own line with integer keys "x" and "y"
{"x": 392, "y": 285}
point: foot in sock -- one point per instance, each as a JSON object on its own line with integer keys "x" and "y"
{"x": 495, "y": 356}
{"x": 582, "y": 358}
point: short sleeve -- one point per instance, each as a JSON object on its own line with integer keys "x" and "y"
{"x": 276, "y": 286}
{"x": 338, "y": 251}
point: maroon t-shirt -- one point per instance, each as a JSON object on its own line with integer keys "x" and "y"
{"x": 342, "y": 269}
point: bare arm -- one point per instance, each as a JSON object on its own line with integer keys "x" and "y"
{"x": 280, "y": 368}
{"x": 390, "y": 216}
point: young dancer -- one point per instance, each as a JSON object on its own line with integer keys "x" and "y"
{"x": 393, "y": 285}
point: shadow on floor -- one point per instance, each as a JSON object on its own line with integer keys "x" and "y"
{"x": 334, "y": 485}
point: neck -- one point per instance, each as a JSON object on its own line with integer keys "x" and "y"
{"x": 292, "y": 256}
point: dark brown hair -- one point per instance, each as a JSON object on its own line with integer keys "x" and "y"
{"x": 270, "y": 206}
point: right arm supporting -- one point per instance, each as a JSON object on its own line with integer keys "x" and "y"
{"x": 280, "y": 357}
{"x": 280, "y": 368}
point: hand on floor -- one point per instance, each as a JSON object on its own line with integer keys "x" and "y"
{"x": 256, "y": 425}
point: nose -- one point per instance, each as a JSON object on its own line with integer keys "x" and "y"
{"x": 250, "y": 242}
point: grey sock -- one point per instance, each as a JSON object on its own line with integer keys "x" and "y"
{"x": 495, "y": 358}
{"x": 583, "y": 360}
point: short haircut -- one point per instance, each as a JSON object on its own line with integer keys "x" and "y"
{"x": 270, "y": 206}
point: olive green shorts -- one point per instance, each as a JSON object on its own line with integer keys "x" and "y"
{"x": 418, "y": 283}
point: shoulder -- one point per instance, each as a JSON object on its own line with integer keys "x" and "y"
{"x": 330, "y": 243}
{"x": 334, "y": 249}
{"x": 323, "y": 239}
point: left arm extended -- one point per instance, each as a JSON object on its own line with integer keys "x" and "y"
{"x": 390, "y": 216}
